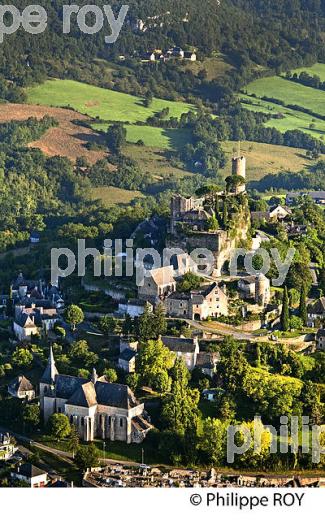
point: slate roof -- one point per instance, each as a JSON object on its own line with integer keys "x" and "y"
{"x": 179, "y": 344}
{"x": 50, "y": 373}
{"x": 66, "y": 386}
{"x": 25, "y": 321}
{"x": 20, "y": 384}
{"x": 29, "y": 471}
{"x": 318, "y": 307}
{"x": 116, "y": 395}
{"x": 127, "y": 354}
{"x": 140, "y": 424}
{"x": 321, "y": 333}
{"x": 84, "y": 395}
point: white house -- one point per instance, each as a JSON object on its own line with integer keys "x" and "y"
{"x": 33, "y": 476}
{"x": 7, "y": 447}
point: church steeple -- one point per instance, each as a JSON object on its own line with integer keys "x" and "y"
{"x": 50, "y": 371}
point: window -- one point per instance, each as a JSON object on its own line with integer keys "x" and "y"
{"x": 82, "y": 421}
{"x": 59, "y": 409}
{"x": 121, "y": 422}
{"x": 71, "y": 419}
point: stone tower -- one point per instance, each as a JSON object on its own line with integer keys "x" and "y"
{"x": 262, "y": 290}
{"x": 239, "y": 168}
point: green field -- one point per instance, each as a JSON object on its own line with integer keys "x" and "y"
{"x": 289, "y": 92}
{"x": 109, "y": 195}
{"x": 166, "y": 139}
{"x": 96, "y": 102}
{"x": 292, "y": 120}
{"x": 318, "y": 69}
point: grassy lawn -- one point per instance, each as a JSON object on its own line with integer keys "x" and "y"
{"x": 289, "y": 92}
{"x": 109, "y": 195}
{"x": 164, "y": 138}
{"x": 292, "y": 120}
{"x": 155, "y": 161}
{"x": 106, "y": 104}
{"x": 215, "y": 66}
{"x": 263, "y": 158}
{"x": 318, "y": 69}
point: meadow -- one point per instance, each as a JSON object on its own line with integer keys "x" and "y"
{"x": 96, "y": 102}
{"x": 166, "y": 139}
{"x": 263, "y": 159}
{"x": 109, "y": 195}
{"x": 289, "y": 92}
{"x": 318, "y": 70}
{"x": 291, "y": 120}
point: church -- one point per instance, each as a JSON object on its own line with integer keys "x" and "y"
{"x": 96, "y": 408}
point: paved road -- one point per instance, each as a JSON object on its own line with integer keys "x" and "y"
{"x": 227, "y": 330}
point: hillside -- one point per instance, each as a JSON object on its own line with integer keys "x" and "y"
{"x": 291, "y": 106}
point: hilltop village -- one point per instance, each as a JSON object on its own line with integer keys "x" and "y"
{"x": 97, "y": 370}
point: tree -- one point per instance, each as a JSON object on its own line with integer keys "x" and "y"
{"x": 213, "y": 441}
{"x": 74, "y": 315}
{"x": 285, "y": 319}
{"x": 189, "y": 282}
{"x": 148, "y": 99}
{"x": 31, "y": 415}
{"x": 296, "y": 323}
{"x": 108, "y": 325}
{"x": 111, "y": 375}
{"x": 22, "y": 357}
{"x": 87, "y": 456}
{"x": 59, "y": 426}
{"x": 180, "y": 407}
{"x": 73, "y": 440}
{"x": 132, "y": 380}
{"x": 146, "y": 325}
{"x": 153, "y": 362}
{"x": 302, "y": 305}
{"x": 160, "y": 321}
{"x": 116, "y": 137}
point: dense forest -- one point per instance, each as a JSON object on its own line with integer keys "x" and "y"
{"x": 255, "y": 35}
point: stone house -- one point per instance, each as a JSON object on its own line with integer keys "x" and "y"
{"x": 157, "y": 284}
{"x": 184, "y": 348}
{"x": 126, "y": 360}
{"x": 320, "y": 339}
{"x": 316, "y": 312}
{"x": 21, "y": 388}
{"x": 207, "y": 362}
{"x": 209, "y": 301}
{"x": 98, "y": 409}
{"x": 34, "y": 316}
